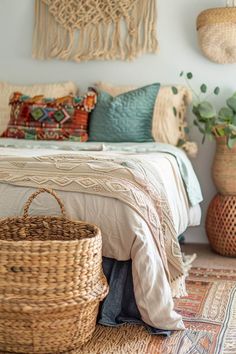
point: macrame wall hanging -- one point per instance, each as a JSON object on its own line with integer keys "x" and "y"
{"x": 94, "y": 29}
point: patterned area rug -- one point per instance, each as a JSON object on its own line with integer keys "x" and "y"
{"x": 210, "y": 318}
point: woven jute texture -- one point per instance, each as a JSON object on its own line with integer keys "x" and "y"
{"x": 217, "y": 34}
{"x": 51, "y": 282}
{"x": 209, "y": 313}
{"x": 224, "y": 167}
{"x": 221, "y": 225}
{"x": 101, "y": 29}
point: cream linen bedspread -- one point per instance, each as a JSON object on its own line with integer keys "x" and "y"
{"x": 125, "y": 233}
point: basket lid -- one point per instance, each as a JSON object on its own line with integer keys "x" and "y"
{"x": 216, "y": 16}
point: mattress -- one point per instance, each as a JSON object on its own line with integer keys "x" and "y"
{"x": 125, "y": 233}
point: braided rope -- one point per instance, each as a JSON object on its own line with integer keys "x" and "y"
{"x": 40, "y": 191}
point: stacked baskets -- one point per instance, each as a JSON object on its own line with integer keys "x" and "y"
{"x": 217, "y": 33}
{"x": 51, "y": 282}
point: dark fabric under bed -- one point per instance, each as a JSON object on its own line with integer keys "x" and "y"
{"x": 120, "y": 307}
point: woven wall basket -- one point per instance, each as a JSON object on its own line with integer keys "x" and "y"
{"x": 51, "y": 282}
{"x": 217, "y": 33}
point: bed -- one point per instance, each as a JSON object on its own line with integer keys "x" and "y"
{"x": 142, "y": 196}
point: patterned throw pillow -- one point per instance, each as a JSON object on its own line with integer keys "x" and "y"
{"x": 40, "y": 118}
{"x": 59, "y": 89}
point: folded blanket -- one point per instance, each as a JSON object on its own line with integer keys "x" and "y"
{"x": 189, "y": 177}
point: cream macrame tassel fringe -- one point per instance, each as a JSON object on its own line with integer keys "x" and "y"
{"x": 63, "y": 32}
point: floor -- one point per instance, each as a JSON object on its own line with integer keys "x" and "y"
{"x": 212, "y": 295}
{"x": 206, "y": 258}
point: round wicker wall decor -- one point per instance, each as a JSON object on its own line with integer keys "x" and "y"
{"x": 216, "y": 29}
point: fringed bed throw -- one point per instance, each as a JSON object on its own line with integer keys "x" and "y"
{"x": 94, "y": 29}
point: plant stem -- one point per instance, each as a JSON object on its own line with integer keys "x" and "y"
{"x": 192, "y": 89}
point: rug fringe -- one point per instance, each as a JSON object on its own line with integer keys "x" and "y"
{"x": 178, "y": 286}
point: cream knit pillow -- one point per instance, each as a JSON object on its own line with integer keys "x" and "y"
{"x": 167, "y": 127}
{"x": 50, "y": 90}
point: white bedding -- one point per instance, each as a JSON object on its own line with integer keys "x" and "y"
{"x": 184, "y": 215}
{"x": 125, "y": 233}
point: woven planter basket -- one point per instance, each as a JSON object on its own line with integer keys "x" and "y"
{"x": 224, "y": 167}
{"x": 221, "y": 225}
{"x": 51, "y": 282}
{"x": 216, "y": 29}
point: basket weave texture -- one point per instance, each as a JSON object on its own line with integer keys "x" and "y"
{"x": 217, "y": 34}
{"x": 224, "y": 167}
{"x": 51, "y": 282}
{"x": 221, "y": 225}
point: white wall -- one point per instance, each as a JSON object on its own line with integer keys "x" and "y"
{"x": 178, "y": 51}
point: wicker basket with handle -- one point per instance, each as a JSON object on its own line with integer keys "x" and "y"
{"x": 51, "y": 282}
{"x": 217, "y": 33}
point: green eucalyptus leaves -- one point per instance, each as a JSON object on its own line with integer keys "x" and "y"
{"x": 208, "y": 120}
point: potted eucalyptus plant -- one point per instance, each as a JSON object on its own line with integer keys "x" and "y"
{"x": 220, "y": 125}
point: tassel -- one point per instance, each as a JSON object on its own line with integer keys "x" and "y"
{"x": 39, "y": 37}
{"x": 81, "y": 44}
{"x": 69, "y": 43}
{"x": 153, "y": 43}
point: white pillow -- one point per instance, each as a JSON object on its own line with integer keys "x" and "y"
{"x": 50, "y": 90}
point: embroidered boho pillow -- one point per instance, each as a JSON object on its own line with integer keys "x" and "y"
{"x": 124, "y": 118}
{"x": 40, "y": 118}
{"x": 55, "y": 90}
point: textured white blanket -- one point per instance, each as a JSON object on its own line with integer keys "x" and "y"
{"x": 113, "y": 176}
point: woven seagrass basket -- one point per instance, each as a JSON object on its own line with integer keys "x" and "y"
{"x": 217, "y": 33}
{"x": 224, "y": 168}
{"x": 221, "y": 225}
{"x": 51, "y": 282}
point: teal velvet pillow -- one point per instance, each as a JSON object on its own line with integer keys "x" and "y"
{"x": 124, "y": 118}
